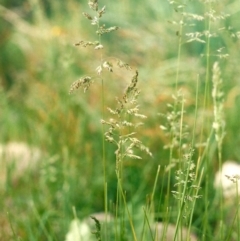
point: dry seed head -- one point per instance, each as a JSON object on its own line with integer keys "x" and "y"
{"x": 99, "y": 46}
{"x": 218, "y": 99}
{"x": 101, "y": 12}
{"x": 133, "y": 83}
{"x": 84, "y": 82}
{"x": 127, "y": 123}
{"x": 185, "y": 177}
{"x": 195, "y": 37}
{"x": 113, "y": 112}
{"x": 99, "y": 69}
{"x": 93, "y": 4}
{"x": 102, "y": 30}
{"x": 87, "y": 16}
{"x": 140, "y": 116}
{"x": 121, "y": 64}
{"x": 233, "y": 178}
{"x": 133, "y": 156}
{"x": 193, "y": 16}
{"x": 107, "y": 66}
{"x": 87, "y": 43}
{"x": 95, "y": 21}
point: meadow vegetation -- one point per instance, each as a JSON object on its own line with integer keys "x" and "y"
{"x": 133, "y": 105}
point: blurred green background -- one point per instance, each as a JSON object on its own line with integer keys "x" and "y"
{"x": 39, "y": 62}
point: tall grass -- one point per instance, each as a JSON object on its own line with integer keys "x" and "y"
{"x": 103, "y": 148}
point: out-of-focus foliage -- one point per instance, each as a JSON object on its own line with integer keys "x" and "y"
{"x": 38, "y": 64}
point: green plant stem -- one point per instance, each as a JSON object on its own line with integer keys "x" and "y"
{"x": 221, "y": 188}
{"x": 103, "y": 141}
{"x": 150, "y": 209}
{"x": 154, "y": 188}
{"x": 237, "y": 212}
{"x": 194, "y": 202}
{"x": 125, "y": 204}
{"x": 146, "y": 219}
{"x": 180, "y": 32}
{"x": 41, "y": 223}
{"x": 176, "y": 88}
{"x": 181, "y": 205}
{"x": 205, "y": 104}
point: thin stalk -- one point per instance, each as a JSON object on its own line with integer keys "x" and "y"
{"x": 154, "y": 188}
{"x": 104, "y": 155}
{"x": 194, "y": 202}
{"x": 180, "y": 31}
{"x": 206, "y": 88}
{"x": 181, "y": 128}
{"x": 197, "y": 167}
{"x": 148, "y": 223}
{"x": 195, "y": 114}
{"x": 41, "y": 223}
{"x": 221, "y": 187}
{"x": 151, "y": 207}
{"x": 128, "y": 212}
{"x": 103, "y": 137}
{"x": 117, "y": 237}
{"x": 169, "y": 176}
{"x": 236, "y": 217}
{"x": 231, "y": 227}
{"x": 205, "y": 103}
{"x": 194, "y": 127}
{"x": 179, "y": 51}
{"x": 237, "y": 212}
{"x": 182, "y": 203}
{"x": 120, "y": 184}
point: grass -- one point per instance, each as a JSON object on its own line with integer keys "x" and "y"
{"x": 156, "y": 118}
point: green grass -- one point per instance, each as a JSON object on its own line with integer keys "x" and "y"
{"x": 176, "y": 62}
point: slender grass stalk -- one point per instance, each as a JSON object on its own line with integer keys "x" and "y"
{"x": 154, "y": 189}
{"x": 235, "y": 180}
{"x": 150, "y": 208}
{"x": 86, "y": 81}
{"x": 128, "y": 212}
{"x": 221, "y": 190}
{"x": 228, "y": 236}
{"x": 237, "y": 211}
{"x": 198, "y": 163}
{"x": 205, "y": 105}
{"x": 117, "y": 232}
{"x": 207, "y": 68}
{"x": 194, "y": 202}
{"x": 181, "y": 203}
{"x": 104, "y": 159}
{"x": 179, "y": 33}
{"x": 146, "y": 220}
{"x": 172, "y": 135}
{"x": 41, "y": 223}
{"x": 103, "y": 131}
{"x": 195, "y": 115}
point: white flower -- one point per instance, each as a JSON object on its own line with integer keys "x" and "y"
{"x": 78, "y": 231}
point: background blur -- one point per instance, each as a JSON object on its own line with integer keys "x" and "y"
{"x": 39, "y": 62}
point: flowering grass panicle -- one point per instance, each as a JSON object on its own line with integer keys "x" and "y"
{"x": 174, "y": 128}
{"x": 101, "y": 29}
{"x": 185, "y": 177}
{"x": 122, "y": 127}
{"x": 218, "y": 104}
